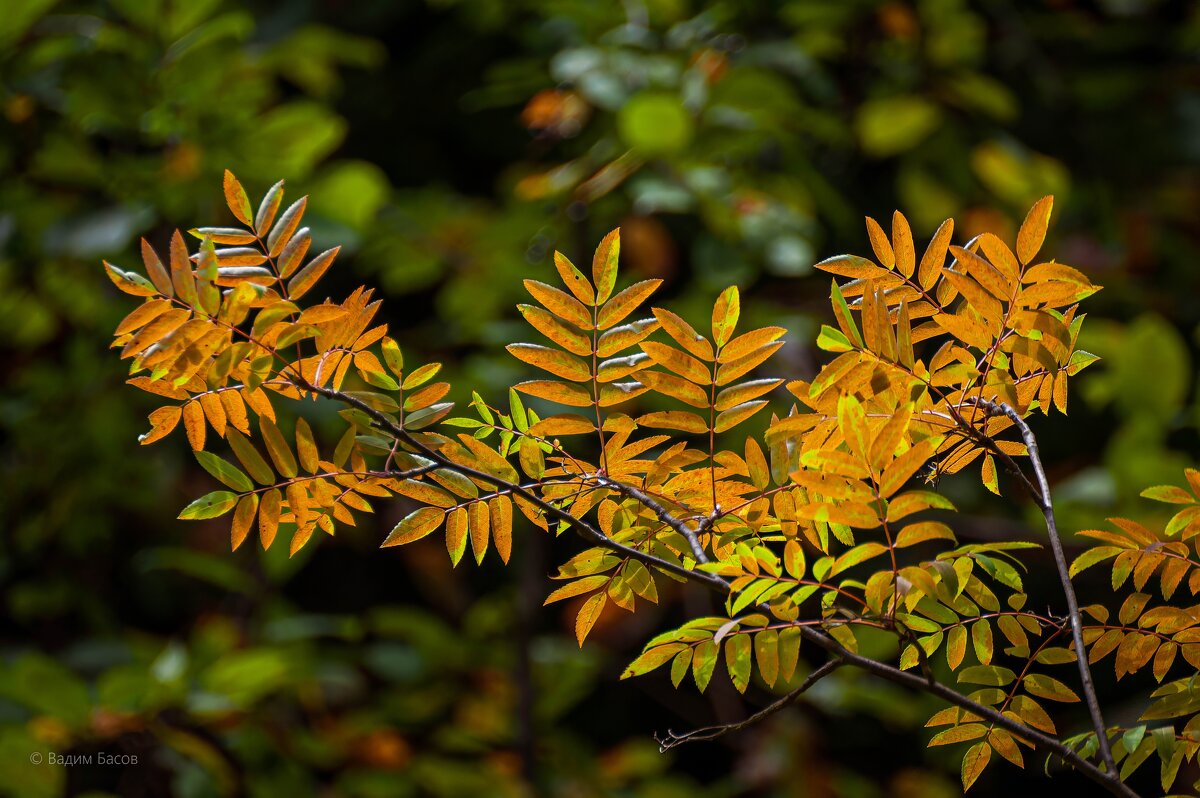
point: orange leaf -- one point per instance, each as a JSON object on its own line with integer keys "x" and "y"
{"x": 1033, "y": 229}
{"x": 566, "y": 307}
{"x": 902, "y": 244}
{"x": 236, "y": 199}
{"x": 625, "y": 303}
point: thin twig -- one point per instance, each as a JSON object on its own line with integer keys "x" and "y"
{"x": 712, "y": 732}
{"x": 1064, "y": 573}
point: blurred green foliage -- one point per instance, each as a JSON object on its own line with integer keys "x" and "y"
{"x": 456, "y": 143}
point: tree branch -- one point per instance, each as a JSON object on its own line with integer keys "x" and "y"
{"x": 1064, "y": 573}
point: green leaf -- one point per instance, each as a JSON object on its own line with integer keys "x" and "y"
{"x": 249, "y": 457}
{"x": 1048, "y": 687}
{"x": 842, "y": 311}
{"x": 223, "y": 470}
{"x": 704, "y": 660}
{"x": 974, "y": 762}
{"x": 1093, "y": 556}
{"x": 415, "y": 526}
{"x": 652, "y": 658}
{"x": 737, "y": 660}
{"x": 832, "y": 340}
{"x": 1169, "y": 494}
{"x": 987, "y": 675}
{"x": 214, "y": 504}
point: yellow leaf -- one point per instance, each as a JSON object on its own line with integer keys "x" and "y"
{"x": 1004, "y": 744}
{"x": 725, "y": 315}
{"x": 234, "y": 405}
{"x": 1002, "y": 259}
{"x": 488, "y": 460}
{"x": 996, "y": 283}
{"x": 142, "y": 315}
{"x": 564, "y": 424}
{"x": 589, "y": 613}
{"x": 249, "y": 457}
{"x": 129, "y": 282}
{"x": 674, "y": 419}
{"x": 456, "y": 534}
{"x": 293, "y": 254}
{"x": 902, "y": 244}
{"x": 730, "y": 418}
{"x": 302, "y": 535}
{"x": 749, "y": 342}
{"x": 214, "y": 411}
{"x": 880, "y": 243}
{"x": 743, "y": 392}
{"x": 604, "y": 265}
{"x": 162, "y": 421}
{"x": 851, "y": 266}
{"x": 903, "y": 467}
{"x": 479, "y": 522}
{"x": 277, "y": 447}
{"x": 574, "y": 280}
{"x": 964, "y": 329}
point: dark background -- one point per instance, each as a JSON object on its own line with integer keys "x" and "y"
{"x": 451, "y": 146}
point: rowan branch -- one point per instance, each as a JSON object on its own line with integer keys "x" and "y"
{"x": 1051, "y": 745}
